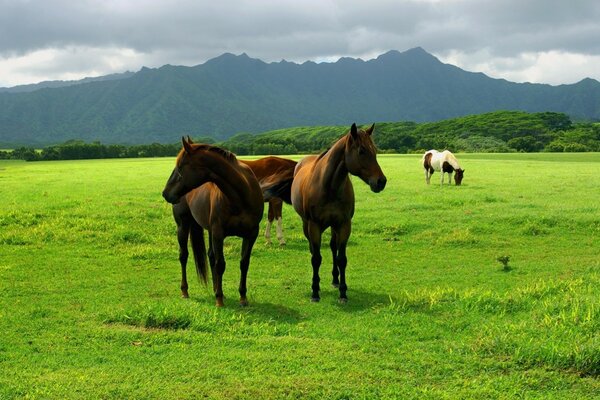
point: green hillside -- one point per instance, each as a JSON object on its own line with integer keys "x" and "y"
{"x": 232, "y": 94}
{"x": 501, "y": 131}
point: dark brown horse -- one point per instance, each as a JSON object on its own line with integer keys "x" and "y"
{"x": 323, "y": 196}
{"x": 269, "y": 170}
{"x": 210, "y": 189}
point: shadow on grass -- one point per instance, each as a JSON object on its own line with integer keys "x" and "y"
{"x": 358, "y": 300}
{"x": 260, "y": 312}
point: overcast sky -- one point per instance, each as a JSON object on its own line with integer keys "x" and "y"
{"x": 545, "y": 41}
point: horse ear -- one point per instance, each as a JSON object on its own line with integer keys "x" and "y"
{"x": 186, "y": 145}
{"x": 370, "y": 130}
{"x": 353, "y": 131}
{"x": 189, "y": 139}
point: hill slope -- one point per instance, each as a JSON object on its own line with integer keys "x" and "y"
{"x": 231, "y": 94}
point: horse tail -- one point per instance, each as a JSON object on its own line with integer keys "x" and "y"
{"x": 199, "y": 250}
{"x": 281, "y": 189}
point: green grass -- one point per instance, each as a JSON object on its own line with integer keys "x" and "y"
{"x": 90, "y": 304}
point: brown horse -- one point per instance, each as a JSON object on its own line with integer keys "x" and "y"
{"x": 269, "y": 170}
{"x": 323, "y": 196}
{"x": 210, "y": 189}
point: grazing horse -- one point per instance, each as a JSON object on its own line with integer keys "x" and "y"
{"x": 269, "y": 170}
{"x": 210, "y": 189}
{"x": 322, "y": 194}
{"x": 445, "y": 162}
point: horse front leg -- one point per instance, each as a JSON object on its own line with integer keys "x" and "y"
{"x": 219, "y": 267}
{"x": 335, "y": 272}
{"x": 342, "y": 236}
{"x": 247, "y": 244}
{"x": 313, "y": 234}
{"x": 270, "y": 217}
{"x": 183, "y": 230}
{"x": 277, "y": 211}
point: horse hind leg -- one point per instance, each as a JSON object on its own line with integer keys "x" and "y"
{"x": 219, "y": 268}
{"x": 247, "y": 244}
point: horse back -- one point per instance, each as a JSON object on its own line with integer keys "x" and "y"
{"x": 210, "y": 208}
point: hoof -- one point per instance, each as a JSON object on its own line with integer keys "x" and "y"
{"x": 281, "y": 244}
{"x": 244, "y": 302}
{"x": 343, "y": 300}
{"x": 315, "y": 299}
{"x": 185, "y": 295}
{"x": 219, "y": 303}
{"x": 335, "y": 285}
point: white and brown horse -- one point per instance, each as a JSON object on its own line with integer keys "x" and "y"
{"x": 445, "y": 162}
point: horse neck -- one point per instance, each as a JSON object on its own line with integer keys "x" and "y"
{"x": 334, "y": 167}
{"x": 228, "y": 178}
{"x": 452, "y": 161}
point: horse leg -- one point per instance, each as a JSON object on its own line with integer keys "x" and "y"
{"x": 270, "y": 217}
{"x": 211, "y": 261}
{"x": 449, "y": 178}
{"x": 342, "y": 236}
{"x": 247, "y": 244}
{"x": 183, "y": 231}
{"x": 277, "y": 209}
{"x": 442, "y": 182}
{"x": 313, "y": 234}
{"x": 217, "y": 244}
{"x": 427, "y": 175}
{"x": 335, "y": 272}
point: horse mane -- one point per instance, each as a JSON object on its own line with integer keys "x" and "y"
{"x": 367, "y": 143}
{"x": 228, "y": 155}
{"x": 451, "y": 158}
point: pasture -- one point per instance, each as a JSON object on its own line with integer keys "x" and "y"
{"x": 90, "y": 303}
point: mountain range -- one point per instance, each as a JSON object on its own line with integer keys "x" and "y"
{"x": 231, "y": 94}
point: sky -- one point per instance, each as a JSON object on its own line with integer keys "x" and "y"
{"x": 541, "y": 41}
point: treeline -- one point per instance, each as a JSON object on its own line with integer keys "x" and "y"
{"x": 78, "y": 150}
{"x": 498, "y": 132}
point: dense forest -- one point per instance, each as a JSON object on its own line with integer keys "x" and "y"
{"x": 498, "y": 132}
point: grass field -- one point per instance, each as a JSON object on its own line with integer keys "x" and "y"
{"x": 90, "y": 303}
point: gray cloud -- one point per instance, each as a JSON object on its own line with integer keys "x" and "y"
{"x": 190, "y": 32}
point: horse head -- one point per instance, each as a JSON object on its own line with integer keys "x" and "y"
{"x": 189, "y": 172}
{"x": 361, "y": 158}
{"x": 458, "y": 176}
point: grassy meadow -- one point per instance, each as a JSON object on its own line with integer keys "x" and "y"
{"x": 90, "y": 304}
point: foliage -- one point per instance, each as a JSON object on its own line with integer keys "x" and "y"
{"x": 90, "y": 302}
{"x": 498, "y": 132}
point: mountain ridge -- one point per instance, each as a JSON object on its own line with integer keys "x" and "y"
{"x": 236, "y": 93}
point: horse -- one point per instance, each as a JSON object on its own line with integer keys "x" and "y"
{"x": 267, "y": 171}
{"x": 210, "y": 189}
{"x": 445, "y": 162}
{"x": 323, "y": 196}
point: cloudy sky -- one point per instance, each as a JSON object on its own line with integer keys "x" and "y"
{"x": 546, "y": 41}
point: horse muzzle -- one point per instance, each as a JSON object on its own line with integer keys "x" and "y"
{"x": 170, "y": 197}
{"x": 377, "y": 185}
